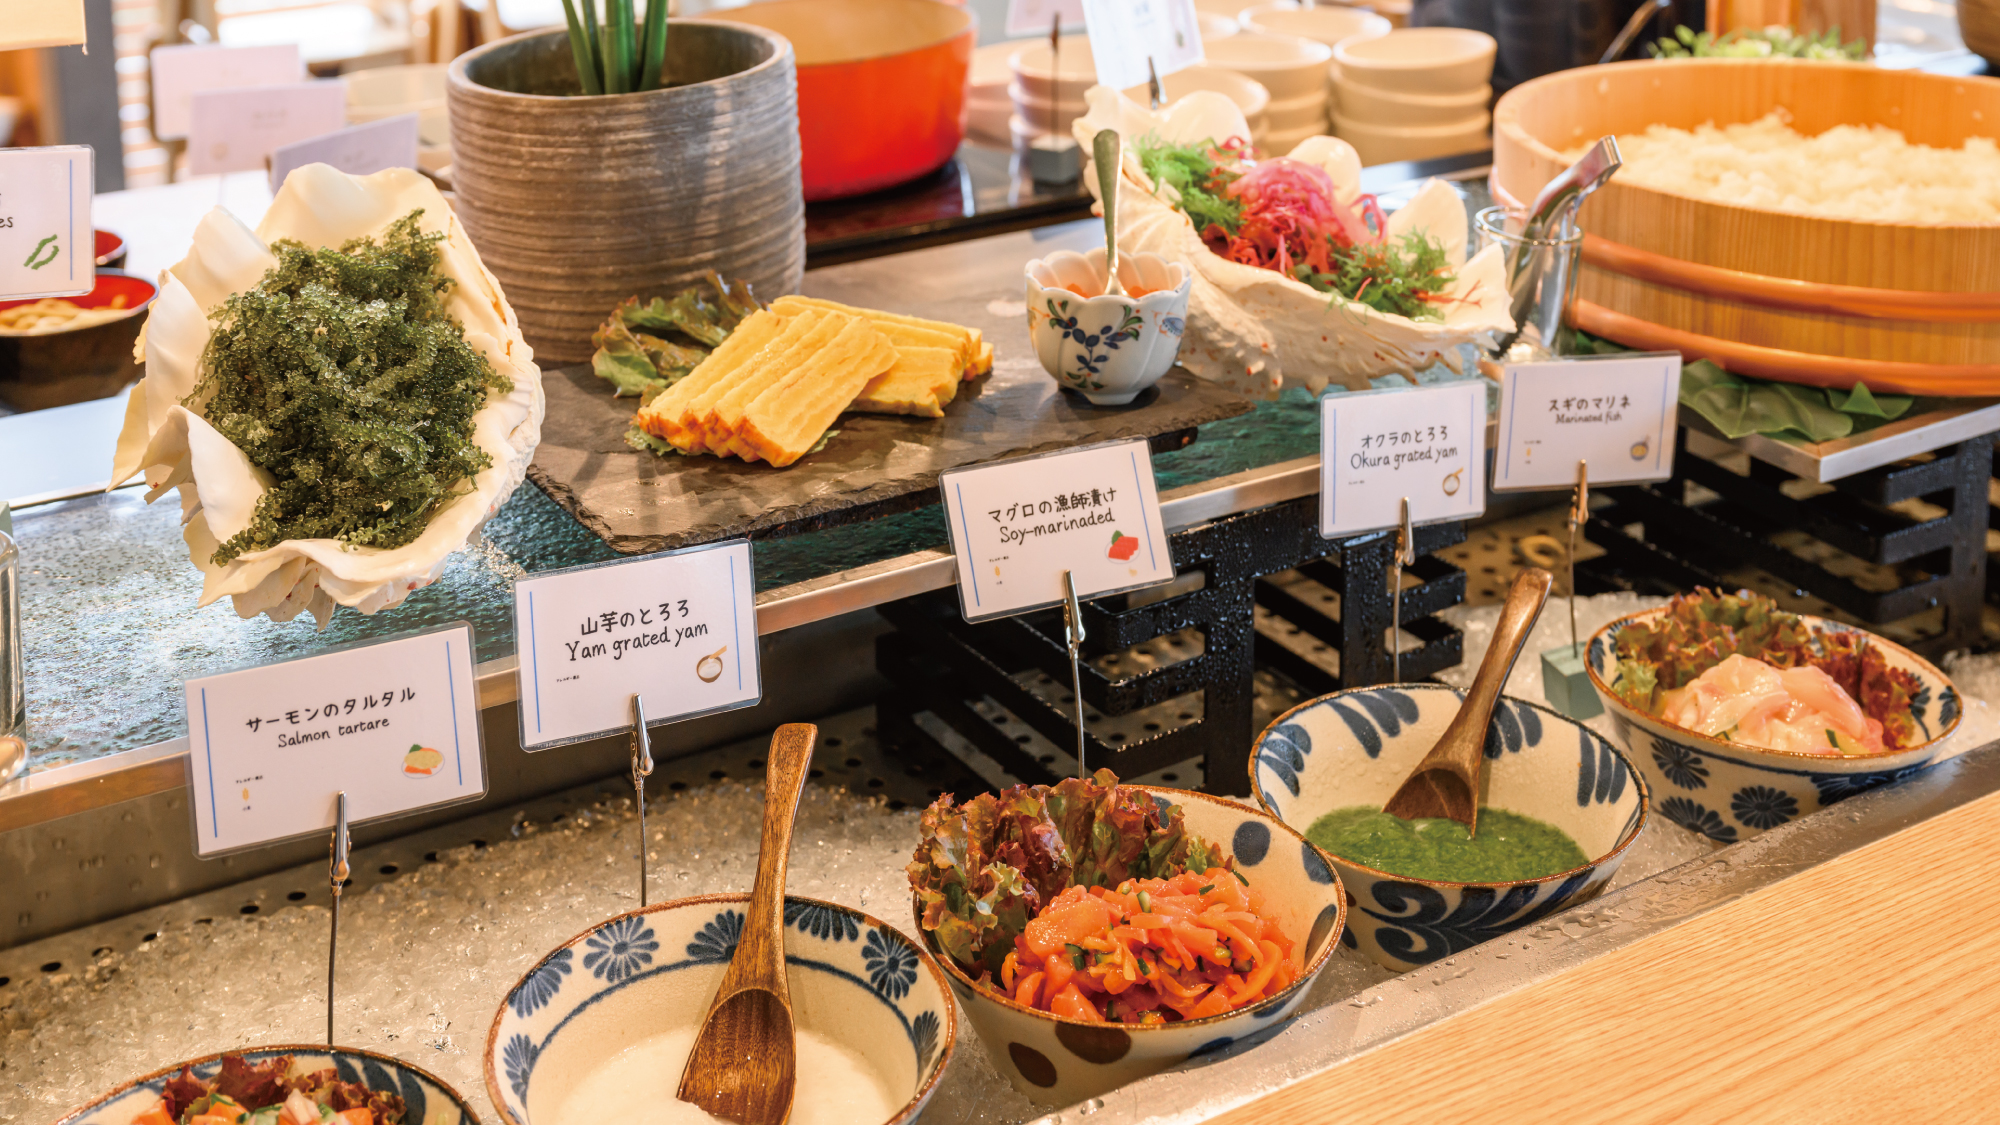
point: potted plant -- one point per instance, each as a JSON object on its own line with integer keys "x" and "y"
{"x": 622, "y": 157}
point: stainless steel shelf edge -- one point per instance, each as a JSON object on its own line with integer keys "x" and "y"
{"x": 1326, "y": 1039}
{"x": 160, "y": 768}
{"x": 1829, "y": 461}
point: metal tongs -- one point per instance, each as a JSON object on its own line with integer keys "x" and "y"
{"x": 1553, "y": 218}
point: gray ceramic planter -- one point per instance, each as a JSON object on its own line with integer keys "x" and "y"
{"x": 577, "y": 203}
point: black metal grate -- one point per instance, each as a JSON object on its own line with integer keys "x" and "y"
{"x": 1709, "y": 520}
{"x": 938, "y": 663}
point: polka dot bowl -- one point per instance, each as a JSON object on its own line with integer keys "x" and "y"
{"x": 1058, "y": 1061}
{"x": 1356, "y": 747}
{"x": 853, "y": 979}
{"x": 426, "y": 1098}
{"x": 1729, "y": 792}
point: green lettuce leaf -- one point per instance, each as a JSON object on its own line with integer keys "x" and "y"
{"x": 983, "y": 869}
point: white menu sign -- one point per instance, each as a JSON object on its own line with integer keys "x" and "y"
{"x": 1378, "y": 448}
{"x": 178, "y": 71}
{"x": 47, "y": 248}
{"x": 234, "y": 130}
{"x": 1616, "y": 413}
{"x": 394, "y": 724}
{"x": 1125, "y": 34}
{"x": 358, "y": 150}
{"x": 678, "y": 628}
{"x": 1017, "y": 525}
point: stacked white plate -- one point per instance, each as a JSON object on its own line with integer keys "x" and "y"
{"x": 1293, "y": 70}
{"x": 1213, "y": 27}
{"x": 1414, "y": 93}
{"x": 1327, "y": 23}
{"x": 1250, "y": 97}
{"x": 987, "y": 103}
{"x": 1043, "y": 96}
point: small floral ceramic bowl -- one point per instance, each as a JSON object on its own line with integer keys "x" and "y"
{"x": 1356, "y": 747}
{"x": 1059, "y": 1061}
{"x": 853, "y": 980}
{"x": 426, "y": 1099}
{"x": 1729, "y": 792}
{"x": 1107, "y": 349}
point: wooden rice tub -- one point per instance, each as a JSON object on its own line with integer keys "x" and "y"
{"x": 1830, "y": 302}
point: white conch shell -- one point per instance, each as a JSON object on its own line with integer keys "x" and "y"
{"x": 1254, "y": 330}
{"x": 219, "y": 487}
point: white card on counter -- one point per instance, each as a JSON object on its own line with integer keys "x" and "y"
{"x": 1124, "y": 34}
{"x": 1034, "y": 17}
{"x": 393, "y": 723}
{"x": 1617, "y": 413}
{"x": 47, "y": 248}
{"x": 358, "y": 150}
{"x": 1377, "y": 448}
{"x": 235, "y": 130}
{"x": 1017, "y": 525}
{"x": 678, "y": 628}
{"x": 179, "y": 71}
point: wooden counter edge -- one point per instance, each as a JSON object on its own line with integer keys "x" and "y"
{"x": 1857, "y": 990}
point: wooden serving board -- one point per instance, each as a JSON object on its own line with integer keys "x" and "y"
{"x": 876, "y": 464}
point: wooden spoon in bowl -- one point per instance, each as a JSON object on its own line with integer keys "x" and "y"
{"x": 745, "y": 1060}
{"x": 1446, "y": 782}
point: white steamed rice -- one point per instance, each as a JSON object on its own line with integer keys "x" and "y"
{"x": 1863, "y": 172}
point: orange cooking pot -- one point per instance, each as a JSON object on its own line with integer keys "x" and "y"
{"x": 881, "y": 86}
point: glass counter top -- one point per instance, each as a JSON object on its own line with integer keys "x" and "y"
{"x": 110, "y": 626}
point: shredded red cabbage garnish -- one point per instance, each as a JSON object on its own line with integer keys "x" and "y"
{"x": 1286, "y": 216}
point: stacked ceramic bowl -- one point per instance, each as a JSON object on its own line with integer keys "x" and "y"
{"x": 1414, "y": 93}
{"x": 1048, "y": 93}
{"x": 1293, "y": 70}
{"x": 1214, "y": 27}
{"x": 988, "y": 104}
{"x": 1328, "y": 23}
{"x": 1249, "y": 96}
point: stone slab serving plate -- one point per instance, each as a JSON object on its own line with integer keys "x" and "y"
{"x": 876, "y": 464}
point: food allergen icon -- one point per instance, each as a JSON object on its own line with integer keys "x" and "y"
{"x": 1453, "y": 481}
{"x": 1123, "y": 546}
{"x": 709, "y": 667}
{"x": 1640, "y": 449}
{"x": 421, "y": 761}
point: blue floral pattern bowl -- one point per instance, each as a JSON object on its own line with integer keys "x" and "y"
{"x": 1108, "y": 349}
{"x": 853, "y": 979}
{"x": 1060, "y": 1061}
{"x": 1356, "y": 747}
{"x": 1729, "y": 792}
{"x": 427, "y": 1100}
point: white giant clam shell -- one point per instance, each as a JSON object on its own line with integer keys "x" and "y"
{"x": 219, "y": 487}
{"x": 1254, "y": 330}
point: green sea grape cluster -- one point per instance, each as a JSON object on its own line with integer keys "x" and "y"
{"x": 342, "y": 375}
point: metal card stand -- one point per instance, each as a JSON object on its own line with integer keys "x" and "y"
{"x": 1406, "y": 555}
{"x": 642, "y": 768}
{"x": 1565, "y": 679}
{"x": 1073, "y": 637}
{"x": 338, "y": 871}
{"x": 1156, "y": 94}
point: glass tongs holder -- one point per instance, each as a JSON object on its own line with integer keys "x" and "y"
{"x": 1541, "y": 247}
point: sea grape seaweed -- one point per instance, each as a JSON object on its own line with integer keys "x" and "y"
{"x": 342, "y": 376}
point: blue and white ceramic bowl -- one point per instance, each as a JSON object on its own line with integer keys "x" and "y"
{"x": 1108, "y": 349}
{"x": 853, "y": 979}
{"x": 1356, "y": 748}
{"x": 1729, "y": 792}
{"x": 426, "y": 1098}
{"x": 1059, "y": 1061}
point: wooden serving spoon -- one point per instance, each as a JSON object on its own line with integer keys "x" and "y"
{"x": 744, "y": 1064}
{"x": 1446, "y": 782}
